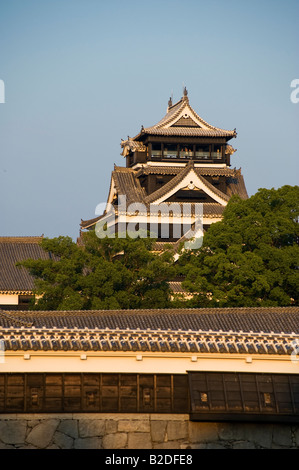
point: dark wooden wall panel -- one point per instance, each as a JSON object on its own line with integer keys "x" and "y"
{"x": 227, "y": 396}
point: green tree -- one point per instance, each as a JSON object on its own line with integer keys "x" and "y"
{"x": 251, "y": 257}
{"x": 119, "y": 273}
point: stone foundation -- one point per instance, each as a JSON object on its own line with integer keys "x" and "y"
{"x": 138, "y": 431}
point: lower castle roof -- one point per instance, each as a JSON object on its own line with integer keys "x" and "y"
{"x": 269, "y": 330}
{"x": 13, "y": 250}
{"x": 126, "y": 181}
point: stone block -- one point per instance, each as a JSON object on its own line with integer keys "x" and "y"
{"x": 42, "y": 434}
{"x": 158, "y": 430}
{"x": 27, "y": 447}
{"x": 215, "y": 445}
{"x": 282, "y": 435}
{"x": 13, "y": 431}
{"x": 169, "y": 417}
{"x": 243, "y": 445}
{"x": 260, "y": 434}
{"x": 33, "y": 422}
{"x": 110, "y": 426}
{"x": 69, "y": 427}
{"x": 6, "y": 446}
{"x": 226, "y": 431}
{"x": 194, "y": 446}
{"x": 203, "y": 432}
{"x": 91, "y": 428}
{"x": 63, "y": 441}
{"x": 115, "y": 441}
{"x": 139, "y": 440}
{"x": 177, "y": 430}
{"x": 133, "y": 426}
{"x": 88, "y": 443}
{"x": 167, "y": 445}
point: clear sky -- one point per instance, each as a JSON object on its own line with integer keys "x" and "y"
{"x": 80, "y": 75}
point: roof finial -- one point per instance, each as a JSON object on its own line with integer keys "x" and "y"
{"x": 169, "y": 103}
{"x": 185, "y": 92}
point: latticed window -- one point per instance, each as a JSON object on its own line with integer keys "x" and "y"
{"x": 92, "y": 392}
{"x": 244, "y": 396}
{"x": 207, "y": 396}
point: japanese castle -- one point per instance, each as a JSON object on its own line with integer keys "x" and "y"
{"x": 181, "y": 163}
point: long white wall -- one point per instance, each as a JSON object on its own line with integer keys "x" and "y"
{"x": 35, "y": 361}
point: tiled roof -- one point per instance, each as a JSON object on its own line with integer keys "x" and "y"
{"x": 13, "y": 250}
{"x": 213, "y": 209}
{"x": 236, "y": 330}
{"x": 187, "y": 132}
{"x": 173, "y": 123}
{"x": 127, "y": 182}
{"x": 236, "y": 185}
{"x": 176, "y": 287}
{"x": 85, "y": 224}
{"x": 174, "y": 170}
{"x": 132, "y": 146}
{"x": 170, "y": 185}
{"x": 210, "y": 209}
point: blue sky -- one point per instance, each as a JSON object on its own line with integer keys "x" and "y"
{"x": 80, "y": 75}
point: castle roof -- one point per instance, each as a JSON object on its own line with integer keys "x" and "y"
{"x": 13, "y": 250}
{"x": 125, "y": 181}
{"x": 268, "y": 330}
{"x": 182, "y": 120}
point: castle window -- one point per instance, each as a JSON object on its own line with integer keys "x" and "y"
{"x": 24, "y": 300}
{"x": 170, "y": 151}
{"x": 156, "y": 150}
{"x": 186, "y": 151}
{"x": 202, "y": 152}
{"x": 94, "y": 392}
{"x": 239, "y": 396}
{"x": 217, "y": 152}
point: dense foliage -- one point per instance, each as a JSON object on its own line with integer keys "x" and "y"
{"x": 251, "y": 257}
{"x": 107, "y": 273}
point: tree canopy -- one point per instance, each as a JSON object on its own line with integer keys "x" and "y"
{"x": 119, "y": 273}
{"x": 251, "y": 257}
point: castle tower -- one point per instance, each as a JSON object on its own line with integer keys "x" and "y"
{"x": 181, "y": 163}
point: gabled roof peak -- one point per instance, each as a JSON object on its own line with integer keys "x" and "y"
{"x": 183, "y": 99}
{"x": 21, "y": 239}
{"x": 181, "y": 120}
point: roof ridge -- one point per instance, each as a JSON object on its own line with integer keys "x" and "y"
{"x": 212, "y": 188}
{"x": 175, "y": 110}
{"x": 15, "y": 320}
{"x": 171, "y": 310}
{"x": 163, "y": 190}
{"x": 174, "y": 105}
{"x": 123, "y": 169}
{"x": 177, "y": 178}
{"x": 21, "y": 239}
